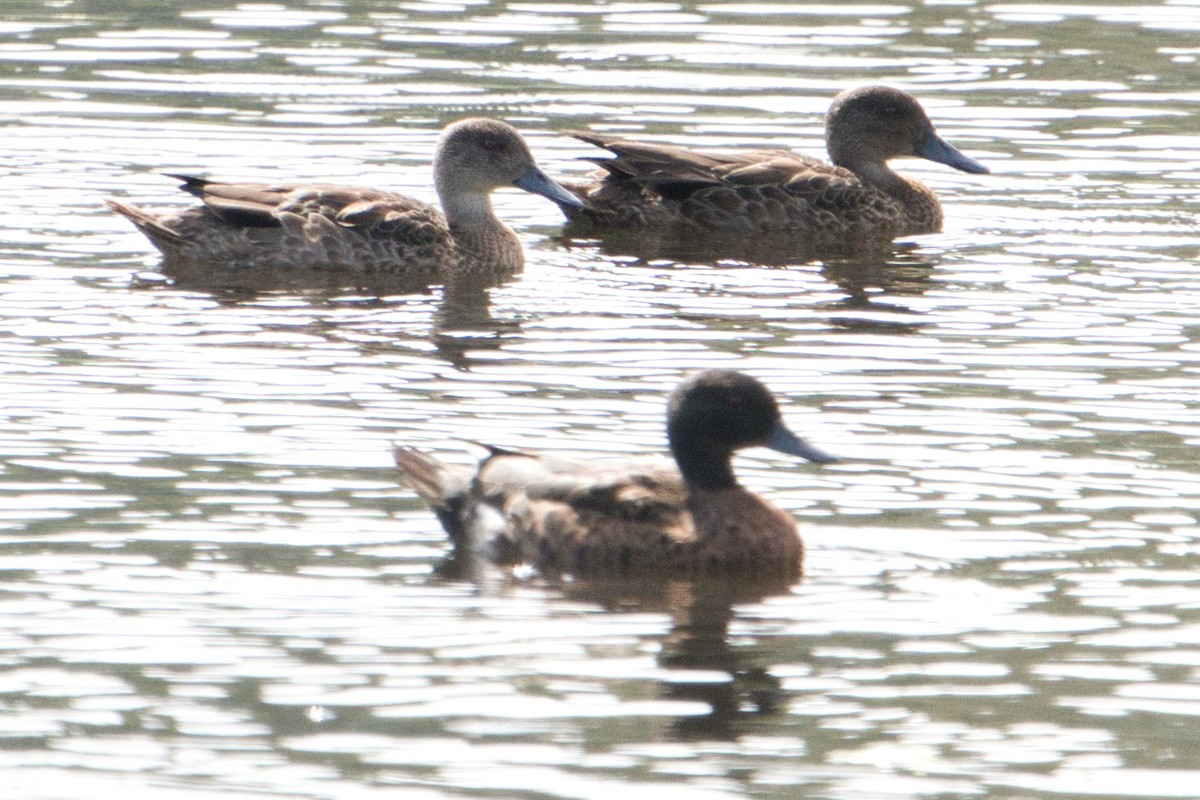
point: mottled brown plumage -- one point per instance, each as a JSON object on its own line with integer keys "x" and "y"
{"x": 636, "y": 516}
{"x": 295, "y": 226}
{"x": 776, "y": 191}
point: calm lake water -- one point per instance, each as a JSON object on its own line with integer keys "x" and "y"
{"x": 212, "y": 585}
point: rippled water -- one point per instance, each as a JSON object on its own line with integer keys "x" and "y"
{"x": 212, "y": 583}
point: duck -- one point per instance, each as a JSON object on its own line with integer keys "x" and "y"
{"x": 632, "y": 517}
{"x": 297, "y": 226}
{"x": 657, "y": 186}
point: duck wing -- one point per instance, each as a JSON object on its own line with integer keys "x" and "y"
{"x": 250, "y": 205}
{"x": 640, "y": 160}
{"x": 253, "y": 205}
{"x": 636, "y": 490}
{"x": 653, "y": 185}
{"x": 586, "y": 518}
{"x": 558, "y": 514}
{"x": 676, "y": 172}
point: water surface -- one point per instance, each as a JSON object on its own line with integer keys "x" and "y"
{"x": 212, "y": 583}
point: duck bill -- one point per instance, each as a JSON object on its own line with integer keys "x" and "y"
{"x": 784, "y": 441}
{"x": 935, "y": 148}
{"x": 538, "y": 182}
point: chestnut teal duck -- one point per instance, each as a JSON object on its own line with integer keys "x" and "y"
{"x": 648, "y": 185}
{"x": 635, "y": 516}
{"x": 296, "y": 226}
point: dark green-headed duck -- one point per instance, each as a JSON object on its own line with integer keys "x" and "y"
{"x": 636, "y": 516}
{"x": 296, "y": 226}
{"x": 648, "y": 185}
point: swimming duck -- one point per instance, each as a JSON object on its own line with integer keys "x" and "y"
{"x": 776, "y": 191}
{"x": 634, "y": 516}
{"x": 295, "y": 226}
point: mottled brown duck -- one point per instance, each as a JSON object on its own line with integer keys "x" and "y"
{"x": 296, "y": 226}
{"x": 636, "y": 516}
{"x": 647, "y": 185}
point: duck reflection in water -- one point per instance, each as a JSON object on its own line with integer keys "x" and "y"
{"x": 868, "y": 283}
{"x": 700, "y": 665}
{"x": 463, "y": 326}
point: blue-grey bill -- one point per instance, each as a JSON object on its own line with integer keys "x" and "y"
{"x": 935, "y": 148}
{"x": 538, "y": 182}
{"x": 784, "y": 441}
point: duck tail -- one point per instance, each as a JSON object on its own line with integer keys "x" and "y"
{"x": 420, "y": 473}
{"x": 159, "y": 235}
{"x": 444, "y": 488}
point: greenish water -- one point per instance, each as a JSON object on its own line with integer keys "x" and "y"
{"x": 211, "y": 583}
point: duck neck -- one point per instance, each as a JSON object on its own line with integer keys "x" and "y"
{"x": 879, "y": 175}
{"x": 703, "y": 468}
{"x": 467, "y": 209}
{"x": 478, "y": 233}
{"x": 922, "y": 211}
